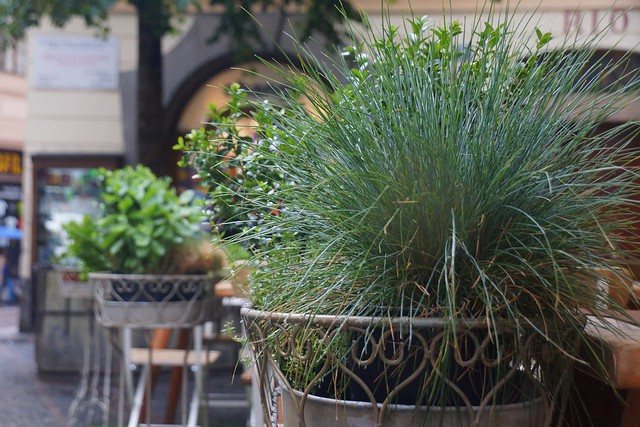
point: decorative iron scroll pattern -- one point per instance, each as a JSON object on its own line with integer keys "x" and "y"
{"x": 153, "y": 301}
{"x": 295, "y": 343}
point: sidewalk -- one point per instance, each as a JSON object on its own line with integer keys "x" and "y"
{"x": 8, "y": 319}
{"x": 28, "y": 399}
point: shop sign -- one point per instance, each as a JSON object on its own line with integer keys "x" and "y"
{"x": 617, "y": 21}
{"x": 71, "y": 62}
{"x": 10, "y": 163}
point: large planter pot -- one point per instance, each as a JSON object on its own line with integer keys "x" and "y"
{"x": 365, "y": 386}
{"x": 154, "y": 301}
{"x": 326, "y": 412}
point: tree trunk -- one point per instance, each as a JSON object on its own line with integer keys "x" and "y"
{"x": 152, "y": 147}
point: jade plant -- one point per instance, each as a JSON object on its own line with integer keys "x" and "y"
{"x": 439, "y": 171}
{"x": 143, "y": 226}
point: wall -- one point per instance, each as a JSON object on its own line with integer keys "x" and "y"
{"x": 71, "y": 122}
{"x": 13, "y": 111}
{"x": 469, "y": 6}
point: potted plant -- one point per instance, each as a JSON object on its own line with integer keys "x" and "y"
{"x": 446, "y": 205}
{"x": 146, "y": 249}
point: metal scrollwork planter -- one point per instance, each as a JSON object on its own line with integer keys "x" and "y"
{"x": 392, "y": 372}
{"x": 155, "y": 301}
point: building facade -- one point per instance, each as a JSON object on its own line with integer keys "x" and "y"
{"x": 13, "y": 124}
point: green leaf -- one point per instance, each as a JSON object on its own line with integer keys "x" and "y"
{"x": 125, "y": 204}
{"x": 158, "y": 248}
{"x": 187, "y": 196}
{"x": 116, "y": 246}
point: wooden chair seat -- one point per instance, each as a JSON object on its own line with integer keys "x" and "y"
{"x": 172, "y": 357}
{"x": 620, "y": 352}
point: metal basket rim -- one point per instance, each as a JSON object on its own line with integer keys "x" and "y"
{"x": 369, "y": 321}
{"x": 176, "y": 277}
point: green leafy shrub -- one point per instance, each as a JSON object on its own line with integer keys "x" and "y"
{"x": 142, "y": 225}
{"x": 234, "y": 166}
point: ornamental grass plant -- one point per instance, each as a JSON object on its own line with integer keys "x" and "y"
{"x": 447, "y": 171}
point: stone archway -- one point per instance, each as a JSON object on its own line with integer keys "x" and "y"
{"x": 189, "y": 64}
{"x": 207, "y": 85}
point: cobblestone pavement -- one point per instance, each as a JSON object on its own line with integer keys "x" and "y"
{"x": 29, "y": 399}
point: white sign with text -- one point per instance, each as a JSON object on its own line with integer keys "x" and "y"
{"x": 71, "y": 62}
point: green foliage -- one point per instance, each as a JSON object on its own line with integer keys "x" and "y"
{"x": 85, "y": 236}
{"x": 141, "y": 221}
{"x": 447, "y": 173}
{"x": 321, "y": 16}
{"x": 233, "y": 167}
{"x": 447, "y": 176}
{"x": 17, "y": 16}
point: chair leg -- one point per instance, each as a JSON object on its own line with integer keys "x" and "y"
{"x": 159, "y": 339}
{"x": 176, "y": 381}
{"x": 139, "y": 397}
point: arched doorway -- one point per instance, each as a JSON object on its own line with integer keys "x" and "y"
{"x": 187, "y": 109}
